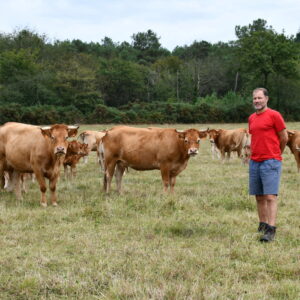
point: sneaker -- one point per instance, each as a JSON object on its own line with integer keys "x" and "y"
{"x": 269, "y": 234}
{"x": 262, "y": 227}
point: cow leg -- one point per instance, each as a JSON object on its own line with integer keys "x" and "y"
{"x": 223, "y": 156}
{"x": 100, "y": 152}
{"x": 108, "y": 175}
{"x": 172, "y": 182}
{"x": 228, "y": 155}
{"x": 65, "y": 172}
{"x": 85, "y": 159}
{"x": 73, "y": 172}
{"x": 52, "y": 186}
{"x": 297, "y": 158}
{"x": 165, "y": 174}
{"x": 23, "y": 178}
{"x": 8, "y": 181}
{"x": 119, "y": 175}
{"x": 2, "y": 178}
{"x": 41, "y": 180}
{"x": 16, "y": 183}
{"x": 212, "y": 149}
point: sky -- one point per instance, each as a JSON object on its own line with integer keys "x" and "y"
{"x": 176, "y": 23}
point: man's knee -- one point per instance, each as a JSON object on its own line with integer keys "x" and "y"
{"x": 271, "y": 198}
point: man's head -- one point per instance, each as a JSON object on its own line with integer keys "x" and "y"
{"x": 260, "y": 99}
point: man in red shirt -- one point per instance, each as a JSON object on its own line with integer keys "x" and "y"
{"x": 268, "y": 140}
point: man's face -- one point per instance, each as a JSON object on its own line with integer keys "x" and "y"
{"x": 260, "y": 100}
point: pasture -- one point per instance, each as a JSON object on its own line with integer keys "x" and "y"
{"x": 199, "y": 243}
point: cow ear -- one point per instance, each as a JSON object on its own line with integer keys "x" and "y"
{"x": 46, "y": 131}
{"x": 72, "y": 130}
{"x": 202, "y": 134}
{"x": 181, "y": 133}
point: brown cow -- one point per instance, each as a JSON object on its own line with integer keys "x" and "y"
{"x": 229, "y": 140}
{"x": 75, "y": 151}
{"x": 167, "y": 150}
{"x": 92, "y": 138}
{"x": 32, "y": 149}
{"x": 294, "y": 145}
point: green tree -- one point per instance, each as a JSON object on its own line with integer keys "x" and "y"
{"x": 263, "y": 52}
{"x": 76, "y": 81}
{"x": 198, "y": 50}
{"x": 148, "y": 46}
{"x": 121, "y": 81}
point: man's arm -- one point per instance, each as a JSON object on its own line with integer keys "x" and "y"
{"x": 283, "y": 138}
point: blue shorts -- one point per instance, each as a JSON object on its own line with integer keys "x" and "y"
{"x": 264, "y": 177}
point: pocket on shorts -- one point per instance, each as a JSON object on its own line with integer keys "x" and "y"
{"x": 273, "y": 164}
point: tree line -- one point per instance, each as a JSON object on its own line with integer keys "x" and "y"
{"x": 44, "y": 82}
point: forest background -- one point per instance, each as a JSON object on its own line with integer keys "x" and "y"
{"x": 43, "y": 82}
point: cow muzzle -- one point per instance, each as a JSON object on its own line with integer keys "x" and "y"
{"x": 193, "y": 151}
{"x": 60, "y": 151}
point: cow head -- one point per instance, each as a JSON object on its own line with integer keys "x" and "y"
{"x": 58, "y": 135}
{"x": 213, "y": 134}
{"x": 73, "y": 147}
{"x": 293, "y": 140}
{"x": 191, "y": 138}
{"x": 76, "y": 147}
{"x": 291, "y": 134}
{"x": 84, "y": 149}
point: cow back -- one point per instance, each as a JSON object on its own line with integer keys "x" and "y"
{"x": 142, "y": 148}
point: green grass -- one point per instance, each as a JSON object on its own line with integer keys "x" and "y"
{"x": 200, "y": 243}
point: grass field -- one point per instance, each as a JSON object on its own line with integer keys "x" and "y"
{"x": 200, "y": 243}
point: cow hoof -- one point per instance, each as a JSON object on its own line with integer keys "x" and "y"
{"x": 54, "y": 204}
{"x": 43, "y": 204}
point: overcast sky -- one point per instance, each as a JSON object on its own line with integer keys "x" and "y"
{"x": 177, "y": 23}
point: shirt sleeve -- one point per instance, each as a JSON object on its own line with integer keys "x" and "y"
{"x": 279, "y": 122}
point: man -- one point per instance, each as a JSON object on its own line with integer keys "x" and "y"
{"x": 268, "y": 140}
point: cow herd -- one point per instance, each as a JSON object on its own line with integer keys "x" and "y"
{"x": 43, "y": 151}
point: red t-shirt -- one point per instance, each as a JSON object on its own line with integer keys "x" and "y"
{"x": 263, "y": 128}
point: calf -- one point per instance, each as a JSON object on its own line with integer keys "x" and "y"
{"x": 75, "y": 151}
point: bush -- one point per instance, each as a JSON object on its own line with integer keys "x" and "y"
{"x": 10, "y": 113}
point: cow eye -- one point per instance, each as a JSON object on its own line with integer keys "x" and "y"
{"x": 198, "y": 141}
{"x": 52, "y": 138}
{"x": 186, "y": 140}
{"x": 66, "y": 137}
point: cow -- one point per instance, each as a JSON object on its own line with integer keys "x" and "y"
{"x": 75, "y": 151}
{"x": 228, "y": 140}
{"x": 92, "y": 138}
{"x": 164, "y": 149}
{"x": 294, "y": 145}
{"x": 32, "y": 149}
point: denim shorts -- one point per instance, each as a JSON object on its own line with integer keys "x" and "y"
{"x": 264, "y": 177}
